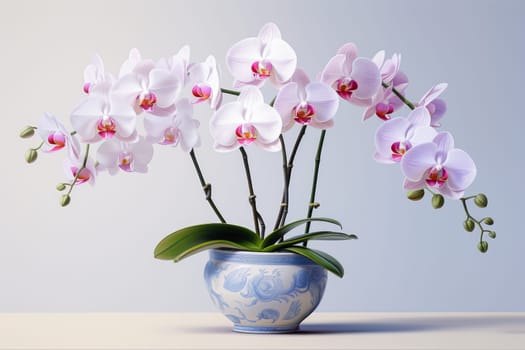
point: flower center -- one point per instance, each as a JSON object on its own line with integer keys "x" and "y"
{"x": 245, "y": 134}
{"x": 202, "y": 92}
{"x": 106, "y": 128}
{"x": 437, "y": 176}
{"x": 147, "y": 100}
{"x": 384, "y": 110}
{"x": 57, "y": 139}
{"x": 125, "y": 161}
{"x": 261, "y": 69}
{"x": 345, "y": 86}
{"x": 83, "y": 176}
{"x": 303, "y": 113}
{"x": 171, "y": 136}
{"x": 399, "y": 149}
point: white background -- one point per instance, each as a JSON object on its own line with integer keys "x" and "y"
{"x": 96, "y": 254}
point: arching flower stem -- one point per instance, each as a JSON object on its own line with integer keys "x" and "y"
{"x": 206, "y": 187}
{"x": 313, "y": 204}
{"x": 287, "y": 170}
{"x": 257, "y": 218}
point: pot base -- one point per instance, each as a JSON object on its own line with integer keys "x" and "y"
{"x": 265, "y": 330}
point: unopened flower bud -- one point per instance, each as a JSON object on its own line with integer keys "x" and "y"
{"x": 492, "y": 234}
{"x": 415, "y": 195}
{"x": 437, "y": 201}
{"x": 481, "y": 200}
{"x": 27, "y": 132}
{"x": 469, "y": 225}
{"x": 31, "y": 155}
{"x": 483, "y": 246}
{"x": 65, "y": 199}
{"x": 488, "y": 221}
{"x": 61, "y": 187}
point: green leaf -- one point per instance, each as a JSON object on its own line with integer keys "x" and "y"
{"x": 193, "y": 239}
{"x": 321, "y": 235}
{"x": 320, "y": 258}
{"x": 276, "y": 235}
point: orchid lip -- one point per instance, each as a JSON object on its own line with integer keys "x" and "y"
{"x": 246, "y": 134}
{"x": 303, "y": 113}
{"x": 261, "y": 69}
{"x": 437, "y": 177}
{"x": 58, "y": 140}
{"x": 399, "y": 149}
{"x": 171, "y": 137}
{"x": 147, "y": 100}
{"x": 86, "y": 87}
{"x": 106, "y": 128}
{"x": 345, "y": 87}
{"x": 125, "y": 161}
{"x": 383, "y": 111}
{"x": 82, "y": 177}
{"x": 202, "y": 92}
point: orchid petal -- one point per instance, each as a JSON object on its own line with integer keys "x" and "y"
{"x": 324, "y": 99}
{"x": 85, "y": 116}
{"x": 268, "y": 33}
{"x": 165, "y": 85}
{"x": 129, "y": 65}
{"x": 333, "y": 70}
{"x": 223, "y": 123}
{"x": 391, "y": 131}
{"x": 419, "y": 116}
{"x": 416, "y": 162}
{"x": 240, "y": 57}
{"x": 284, "y": 60}
{"x": 284, "y": 103}
{"x": 367, "y": 76}
{"x": 461, "y": 169}
{"x": 432, "y": 94}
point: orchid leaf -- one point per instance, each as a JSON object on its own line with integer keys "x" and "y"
{"x": 276, "y": 235}
{"x": 320, "y": 258}
{"x": 321, "y": 235}
{"x": 193, "y": 239}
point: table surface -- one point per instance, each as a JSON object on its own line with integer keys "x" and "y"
{"x": 213, "y": 331}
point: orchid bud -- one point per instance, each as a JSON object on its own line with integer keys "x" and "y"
{"x": 481, "y": 200}
{"x": 65, "y": 199}
{"x": 488, "y": 221}
{"x": 483, "y": 246}
{"x": 61, "y": 187}
{"x": 31, "y": 155}
{"x": 27, "y": 132}
{"x": 492, "y": 234}
{"x": 438, "y": 201}
{"x": 415, "y": 195}
{"x": 469, "y": 225}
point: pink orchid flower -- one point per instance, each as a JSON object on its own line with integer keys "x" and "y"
{"x": 245, "y": 121}
{"x": 439, "y": 166}
{"x": 254, "y": 60}
{"x": 113, "y": 155}
{"x": 386, "y": 102}
{"x": 146, "y": 85}
{"x": 306, "y": 103}
{"x": 100, "y": 117}
{"x": 398, "y": 136}
{"x": 177, "y": 128}
{"x": 389, "y": 68}
{"x": 355, "y": 79}
{"x": 56, "y": 137}
{"x": 204, "y": 82}
{"x": 436, "y": 106}
{"x": 95, "y": 75}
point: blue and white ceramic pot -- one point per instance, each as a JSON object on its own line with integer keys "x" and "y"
{"x": 264, "y": 292}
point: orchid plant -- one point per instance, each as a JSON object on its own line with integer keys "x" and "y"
{"x": 152, "y": 102}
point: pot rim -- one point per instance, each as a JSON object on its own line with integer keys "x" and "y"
{"x": 251, "y": 257}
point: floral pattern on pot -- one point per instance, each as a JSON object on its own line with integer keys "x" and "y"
{"x": 264, "y": 292}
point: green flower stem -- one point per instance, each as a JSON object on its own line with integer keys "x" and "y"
{"x": 478, "y": 222}
{"x": 257, "y": 218}
{"x": 84, "y": 162}
{"x": 401, "y": 97}
{"x": 206, "y": 187}
{"x": 39, "y": 146}
{"x": 230, "y": 92}
{"x": 287, "y": 169}
{"x": 312, "y": 205}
